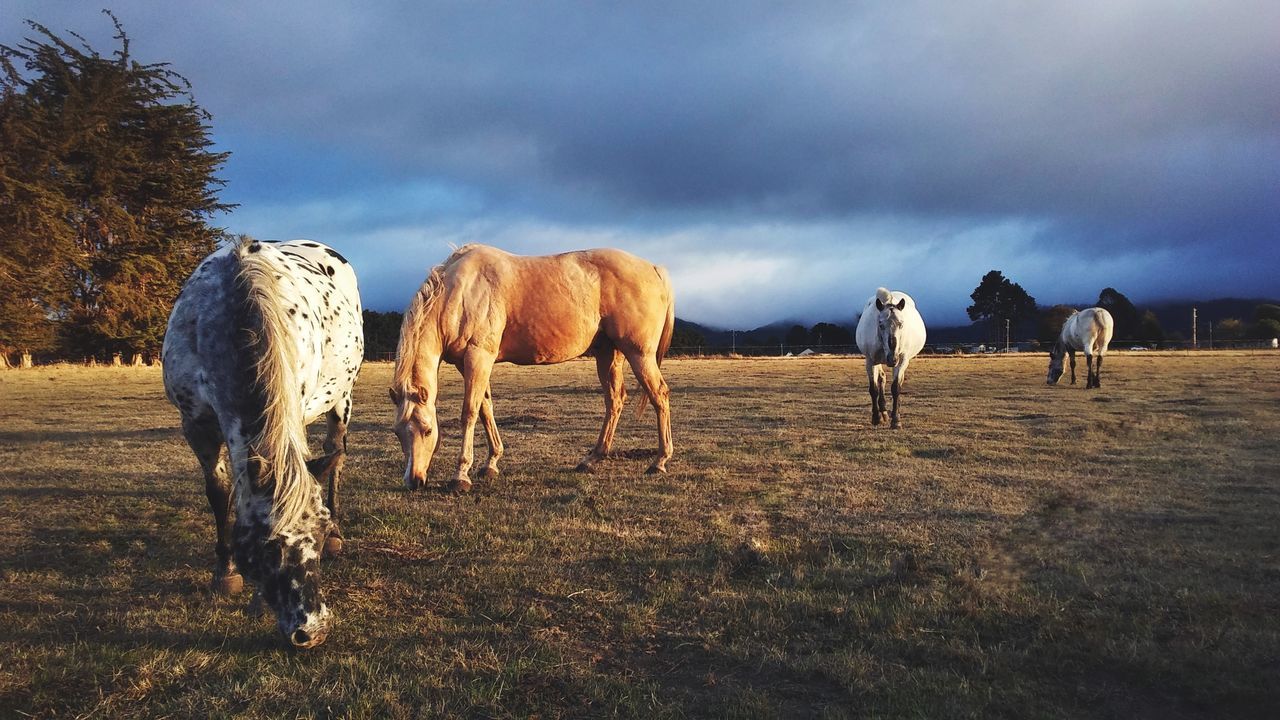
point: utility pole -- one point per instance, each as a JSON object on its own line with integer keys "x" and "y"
{"x": 1006, "y": 336}
{"x": 734, "y": 342}
{"x": 1194, "y": 342}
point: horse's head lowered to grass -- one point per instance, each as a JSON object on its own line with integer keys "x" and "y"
{"x": 282, "y": 559}
{"x": 1056, "y": 356}
{"x": 417, "y": 431}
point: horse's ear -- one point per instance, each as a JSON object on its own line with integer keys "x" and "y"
{"x": 321, "y": 467}
{"x": 879, "y": 305}
{"x": 902, "y": 304}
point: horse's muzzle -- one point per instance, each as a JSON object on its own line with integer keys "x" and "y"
{"x": 304, "y": 640}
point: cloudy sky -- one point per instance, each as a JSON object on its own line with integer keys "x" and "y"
{"x": 781, "y": 159}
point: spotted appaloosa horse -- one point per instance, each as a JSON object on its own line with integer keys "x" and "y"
{"x": 890, "y": 332}
{"x": 1088, "y": 331}
{"x": 264, "y": 339}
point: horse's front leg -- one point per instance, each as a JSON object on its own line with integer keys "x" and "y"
{"x": 1072, "y": 356}
{"x": 335, "y": 441}
{"x": 873, "y": 389}
{"x": 609, "y": 369}
{"x": 490, "y": 430}
{"x": 897, "y": 387}
{"x": 477, "y": 366}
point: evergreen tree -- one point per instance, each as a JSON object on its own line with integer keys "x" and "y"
{"x": 686, "y": 341}
{"x": 381, "y": 334}
{"x": 1128, "y": 320}
{"x": 107, "y": 182}
{"x": 828, "y": 334}
{"x": 1149, "y": 329}
{"x": 998, "y": 299}
{"x": 797, "y": 338}
{"x": 1051, "y": 322}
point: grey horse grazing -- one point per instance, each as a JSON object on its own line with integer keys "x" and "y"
{"x": 1088, "y": 331}
{"x": 263, "y": 339}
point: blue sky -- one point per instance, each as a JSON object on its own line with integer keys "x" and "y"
{"x": 782, "y": 160}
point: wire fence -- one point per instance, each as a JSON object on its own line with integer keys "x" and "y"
{"x": 1027, "y": 346}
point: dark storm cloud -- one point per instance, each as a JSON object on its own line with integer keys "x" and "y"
{"x": 1140, "y": 128}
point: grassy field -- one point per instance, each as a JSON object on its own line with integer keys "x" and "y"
{"x": 1017, "y": 551}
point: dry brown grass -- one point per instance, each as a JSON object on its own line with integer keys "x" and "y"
{"x": 1018, "y": 551}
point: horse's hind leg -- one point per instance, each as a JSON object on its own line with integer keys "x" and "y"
{"x": 491, "y": 434}
{"x": 205, "y": 439}
{"x": 335, "y": 441}
{"x": 1097, "y": 374}
{"x": 609, "y": 369}
{"x": 651, "y": 381}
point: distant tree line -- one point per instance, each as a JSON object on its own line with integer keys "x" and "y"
{"x": 107, "y": 182}
{"x": 996, "y": 299}
{"x": 381, "y": 334}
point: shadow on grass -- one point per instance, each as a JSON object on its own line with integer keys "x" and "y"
{"x": 75, "y": 437}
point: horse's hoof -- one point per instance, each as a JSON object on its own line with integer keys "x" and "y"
{"x": 491, "y": 473}
{"x": 411, "y": 484}
{"x": 231, "y": 584}
{"x": 875, "y": 419}
{"x": 332, "y": 546}
{"x": 458, "y": 486}
{"x": 895, "y": 425}
{"x": 655, "y": 469}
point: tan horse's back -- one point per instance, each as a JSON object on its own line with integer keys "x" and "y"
{"x": 548, "y": 309}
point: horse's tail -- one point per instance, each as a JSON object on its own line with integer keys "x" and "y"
{"x": 664, "y": 341}
{"x": 282, "y": 439}
{"x": 1106, "y": 327}
{"x": 668, "y": 329}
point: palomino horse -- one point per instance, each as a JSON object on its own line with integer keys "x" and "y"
{"x": 1089, "y": 331}
{"x": 483, "y": 305}
{"x": 890, "y": 333}
{"x": 264, "y": 339}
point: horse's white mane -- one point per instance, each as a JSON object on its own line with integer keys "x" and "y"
{"x": 283, "y": 440}
{"x": 884, "y": 296}
{"x": 417, "y": 315}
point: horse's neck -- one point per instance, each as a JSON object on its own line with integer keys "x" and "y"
{"x": 424, "y": 359}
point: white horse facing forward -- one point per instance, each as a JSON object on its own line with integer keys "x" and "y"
{"x": 1088, "y": 331}
{"x": 890, "y": 333}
